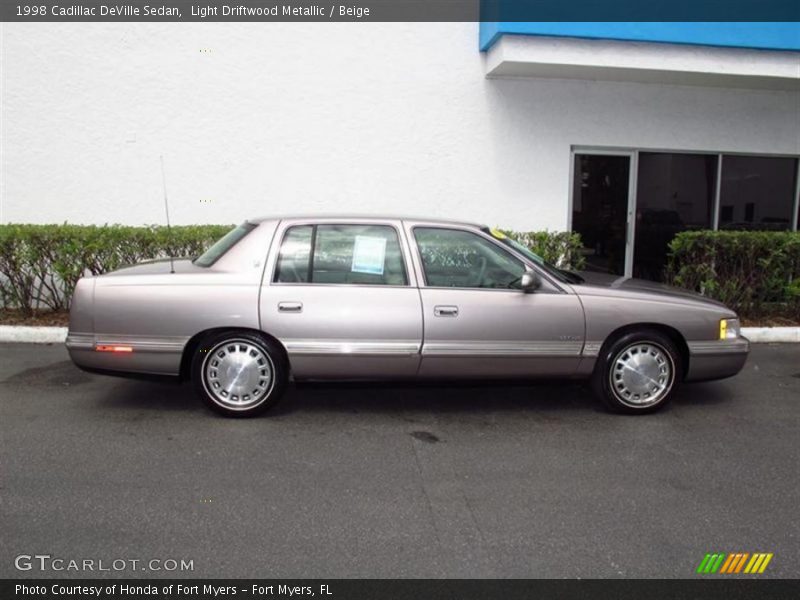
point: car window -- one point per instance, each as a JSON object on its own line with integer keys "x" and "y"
{"x": 228, "y": 241}
{"x": 457, "y": 258}
{"x": 562, "y": 275}
{"x": 293, "y": 259}
{"x": 342, "y": 254}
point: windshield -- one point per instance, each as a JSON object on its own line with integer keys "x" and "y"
{"x": 228, "y": 241}
{"x": 560, "y": 274}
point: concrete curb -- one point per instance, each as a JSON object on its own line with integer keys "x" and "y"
{"x": 772, "y": 334}
{"x": 33, "y": 335}
{"x": 57, "y": 335}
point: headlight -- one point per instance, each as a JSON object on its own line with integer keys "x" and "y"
{"x": 729, "y": 329}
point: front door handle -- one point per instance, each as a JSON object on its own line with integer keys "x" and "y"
{"x": 445, "y": 311}
{"x": 290, "y": 307}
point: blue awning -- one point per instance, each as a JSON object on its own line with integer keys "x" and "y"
{"x": 756, "y": 35}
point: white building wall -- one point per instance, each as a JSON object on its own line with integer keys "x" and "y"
{"x": 257, "y": 119}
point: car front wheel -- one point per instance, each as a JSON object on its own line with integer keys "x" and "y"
{"x": 637, "y": 373}
{"x": 238, "y": 374}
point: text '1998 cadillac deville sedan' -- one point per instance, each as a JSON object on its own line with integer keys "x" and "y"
{"x": 392, "y": 298}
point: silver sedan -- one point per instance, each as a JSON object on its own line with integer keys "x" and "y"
{"x": 392, "y": 298}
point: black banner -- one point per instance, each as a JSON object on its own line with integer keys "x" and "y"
{"x": 399, "y": 10}
{"x": 397, "y": 589}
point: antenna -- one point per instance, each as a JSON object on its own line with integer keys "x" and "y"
{"x": 166, "y": 209}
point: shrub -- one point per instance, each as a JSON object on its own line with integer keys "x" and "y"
{"x": 40, "y": 264}
{"x": 560, "y": 248}
{"x": 749, "y": 271}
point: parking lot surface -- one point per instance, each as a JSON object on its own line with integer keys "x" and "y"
{"x": 397, "y": 480}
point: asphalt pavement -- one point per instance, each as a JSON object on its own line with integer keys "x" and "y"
{"x": 389, "y": 480}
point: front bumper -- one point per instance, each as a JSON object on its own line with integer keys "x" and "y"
{"x": 716, "y": 359}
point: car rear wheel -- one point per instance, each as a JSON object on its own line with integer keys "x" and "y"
{"x": 238, "y": 374}
{"x": 637, "y": 373}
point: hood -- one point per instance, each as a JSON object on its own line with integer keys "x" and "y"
{"x": 157, "y": 267}
{"x": 604, "y": 280}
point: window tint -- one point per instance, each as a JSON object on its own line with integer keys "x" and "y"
{"x": 342, "y": 254}
{"x": 757, "y": 192}
{"x": 215, "y": 252}
{"x": 675, "y": 192}
{"x": 453, "y": 258}
{"x": 293, "y": 260}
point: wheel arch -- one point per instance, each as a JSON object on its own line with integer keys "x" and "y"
{"x": 673, "y": 334}
{"x": 197, "y": 339}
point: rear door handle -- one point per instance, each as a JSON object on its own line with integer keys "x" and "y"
{"x": 290, "y": 307}
{"x": 445, "y": 311}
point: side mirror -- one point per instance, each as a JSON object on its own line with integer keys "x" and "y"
{"x": 529, "y": 282}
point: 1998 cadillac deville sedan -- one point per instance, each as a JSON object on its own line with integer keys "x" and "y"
{"x": 392, "y": 298}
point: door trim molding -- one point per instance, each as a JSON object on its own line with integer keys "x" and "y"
{"x": 351, "y": 347}
{"x": 495, "y": 349}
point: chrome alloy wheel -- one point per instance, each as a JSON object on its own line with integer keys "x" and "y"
{"x": 238, "y": 374}
{"x": 642, "y": 374}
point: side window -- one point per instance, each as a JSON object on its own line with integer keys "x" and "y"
{"x": 295, "y": 254}
{"x": 342, "y": 254}
{"x": 454, "y": 258}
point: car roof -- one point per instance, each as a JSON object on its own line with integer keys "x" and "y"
{"x": 362, "y": 217}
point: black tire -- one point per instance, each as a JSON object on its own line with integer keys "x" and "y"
{"x": 615, "y": 385}
{"x": 259, "y": 355}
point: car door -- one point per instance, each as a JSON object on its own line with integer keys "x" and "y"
{"x": 477, "y": 322}
{"x": 340, "y": 297}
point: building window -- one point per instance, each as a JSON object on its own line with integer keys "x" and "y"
{"x": 757, "y": 192}
{"x": 674, "y": 193}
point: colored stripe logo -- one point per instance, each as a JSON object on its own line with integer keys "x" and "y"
{"x": 734, "y": 563}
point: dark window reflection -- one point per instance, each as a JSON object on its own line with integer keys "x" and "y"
{"x": 757, "y": 192}
{"x": 675, "y": 192}
{"x": 599, "y": 209}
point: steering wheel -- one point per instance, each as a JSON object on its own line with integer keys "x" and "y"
{"x": 481, "y": 272}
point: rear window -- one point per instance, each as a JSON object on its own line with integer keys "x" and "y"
{"x": 228, "y": 241}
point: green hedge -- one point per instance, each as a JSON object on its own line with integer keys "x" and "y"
{"x": 753, "y": 272}
{"x": 560, "y": 248}
{"x": 40, "y": 264}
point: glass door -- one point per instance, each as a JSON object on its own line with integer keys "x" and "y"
{"x": 601, "y": 210}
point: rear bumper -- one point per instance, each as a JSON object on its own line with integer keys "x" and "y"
{"x": 716, "y": 359}
{"x": 148, "y": 356}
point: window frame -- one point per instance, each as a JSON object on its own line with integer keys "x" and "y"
{"x": 343, "y": 223}
{"x": 552, "y": 287}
